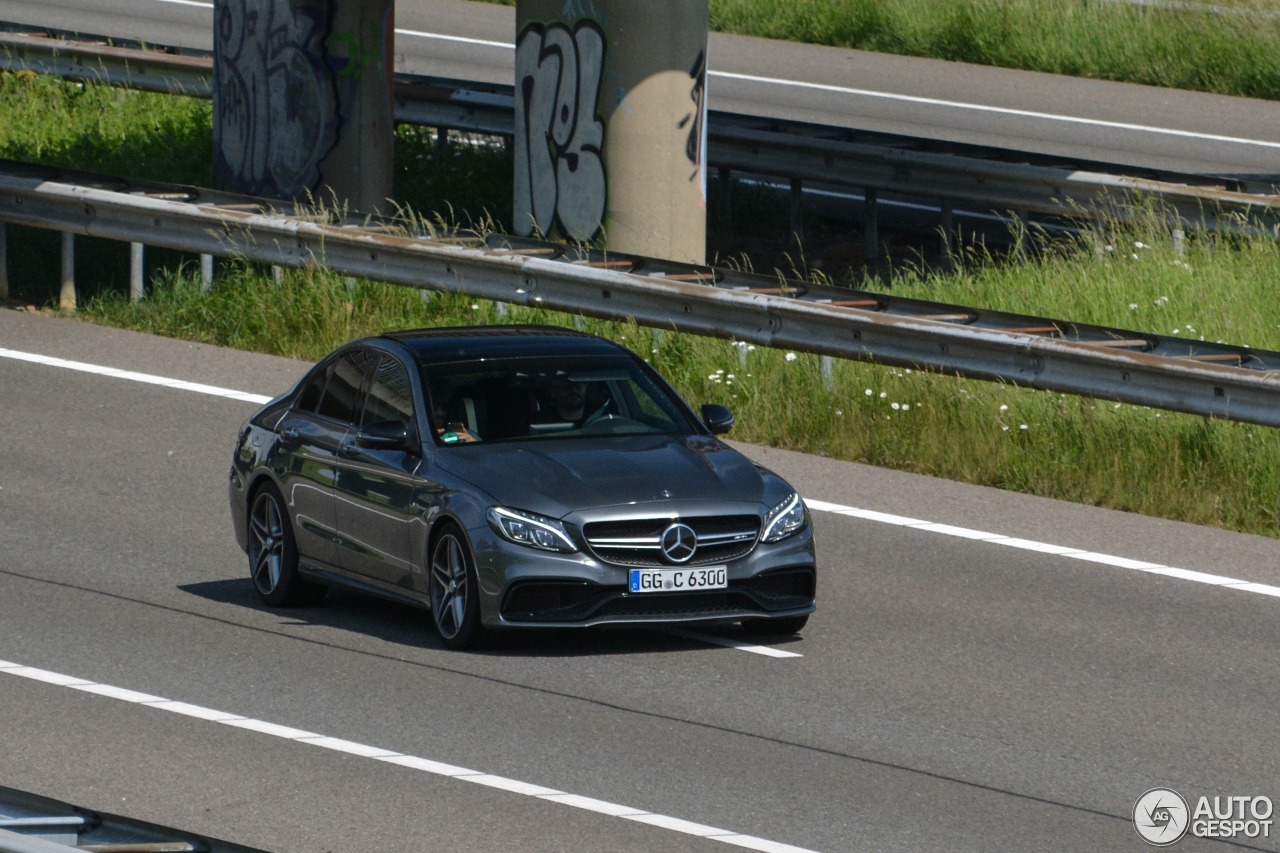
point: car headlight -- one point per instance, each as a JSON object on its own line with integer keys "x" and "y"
{"x": 525, "y": 528}
{"x": 784, "y": 519}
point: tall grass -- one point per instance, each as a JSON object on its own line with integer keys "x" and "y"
{"x": 1230, "y": 54}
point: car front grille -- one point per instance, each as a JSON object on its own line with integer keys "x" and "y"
{"x": 638, "y": 543}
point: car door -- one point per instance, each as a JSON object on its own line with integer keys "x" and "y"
{"x": 311, "y": 435}
{"x": 375, "y": 489}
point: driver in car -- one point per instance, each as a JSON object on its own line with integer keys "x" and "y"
{"x": 568, "y": 399}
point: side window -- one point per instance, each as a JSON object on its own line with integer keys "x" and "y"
{"x": 390, "y": 396}
{"x": 310, "y": 397}
{"x": 342, "y": 394}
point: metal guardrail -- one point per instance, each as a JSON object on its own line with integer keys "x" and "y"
{"x": 972, "y": 175}
{"x": 1178, "y": 374}
{"x": 35, "y": 824}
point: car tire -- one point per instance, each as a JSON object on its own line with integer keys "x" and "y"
{"x": 455, "y": 591}
{"x": 775, "y": 627}
{"x": 273, "y": 554}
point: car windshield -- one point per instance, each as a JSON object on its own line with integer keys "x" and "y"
{"x": 550, "y": 397}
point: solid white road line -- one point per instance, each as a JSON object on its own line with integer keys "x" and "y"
{"x": 133, "y": 376}
{"x": 1046, "y": 548}
{"x": 514, "y": 786}
{"x": 1008, "y": 111}
{"x": 871, "y": 93}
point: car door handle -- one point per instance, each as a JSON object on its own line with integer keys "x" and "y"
{"x": 349, "y": 450}
{"x": 290, "y": 433}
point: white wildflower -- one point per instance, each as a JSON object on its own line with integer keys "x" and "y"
{"x": 894, "y": 406}
{"x": 791, "y": 356}
{"x": 870, "y": 393}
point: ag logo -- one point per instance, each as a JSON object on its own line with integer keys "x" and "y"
{"x": 1160, "y": 816}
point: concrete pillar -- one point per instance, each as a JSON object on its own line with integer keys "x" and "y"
{"x": 4, "y": 262}
{"x": 136, "y": 272}
{"x": 610, "y": 123}
{"x": 302, "y": 100}
{"x": 67, "y": 295}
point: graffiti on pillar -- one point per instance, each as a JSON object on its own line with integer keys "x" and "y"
{"x": 695, "y": 118}
{"x": 275, "y": 100}
{"x": 559, "y": 173}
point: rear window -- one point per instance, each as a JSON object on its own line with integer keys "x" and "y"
{"x": 342, "y": 394}
{"x": 548, "y": 398}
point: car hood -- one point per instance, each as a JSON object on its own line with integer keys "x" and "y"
{"x": 557, "y": 477}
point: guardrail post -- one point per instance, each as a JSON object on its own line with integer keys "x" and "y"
{"x": 67, "y": 296}
{"x": 947, "y": 224}
{"x": 302, "y": 100}
{"x": 1179, "y": 242}
{"x": 136, "y": 284}
{"x": 442, "y": 139}
{"x": 4, "y": 261}
{"x": 797, "y": 211}
{"x": 871, "y": 223}
{"x": 724, "y": 198}
{"x": 206, "y": 273}
{"x": 610, "y": 130}
{"x": 828, "y": 366}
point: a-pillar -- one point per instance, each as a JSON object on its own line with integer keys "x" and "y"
{"x": 610, "y": 124}
{"x": 302, "y": 101}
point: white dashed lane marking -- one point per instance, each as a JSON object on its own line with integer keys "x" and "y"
{"x": 413, "y": 762}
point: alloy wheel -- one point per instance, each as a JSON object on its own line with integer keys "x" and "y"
{"x": 449, "y": 585}
{"x": 267, "y": 529}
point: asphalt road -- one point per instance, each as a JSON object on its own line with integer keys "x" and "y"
{"x": 1092, "y": 120}
{"x": 950, "y": 694}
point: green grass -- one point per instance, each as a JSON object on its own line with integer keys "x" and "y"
{"x": 1176, "y": 466}
{"x": 1230, "y": 54}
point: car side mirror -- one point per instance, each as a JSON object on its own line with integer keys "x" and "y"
{"x": 717, "y": 418}
{"x": 384, "y": 435}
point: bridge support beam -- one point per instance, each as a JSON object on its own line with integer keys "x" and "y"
{"x": 610, "y": 137}
{"x": 302, "y": 100}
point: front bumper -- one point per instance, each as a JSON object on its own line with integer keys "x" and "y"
{"x": 777, "y": 593}
{"x": 524, "y": 588}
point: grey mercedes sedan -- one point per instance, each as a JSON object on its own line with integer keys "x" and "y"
{"x": 515, "y": 477}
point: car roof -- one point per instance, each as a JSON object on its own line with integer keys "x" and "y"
{"x": 468, "y": 343}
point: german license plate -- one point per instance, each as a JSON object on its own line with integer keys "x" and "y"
{"x": 679, "y": 580}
